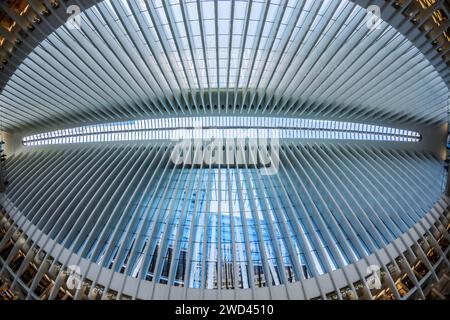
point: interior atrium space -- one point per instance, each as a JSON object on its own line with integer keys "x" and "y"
{"x": 224, "y": 150}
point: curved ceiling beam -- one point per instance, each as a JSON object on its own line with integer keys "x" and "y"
{"x": 36, "y": 22}
{"x": 44, "y": 17}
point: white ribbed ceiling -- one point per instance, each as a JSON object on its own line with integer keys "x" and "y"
{"x": 140, "y": 59}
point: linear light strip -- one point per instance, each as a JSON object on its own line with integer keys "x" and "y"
{"x": 222, "y": 127}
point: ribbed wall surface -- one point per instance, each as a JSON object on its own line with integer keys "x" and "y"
{"x": 140, "y": 225}
{"x": 131, "y": 59}
{"x": 127, "y": 208}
